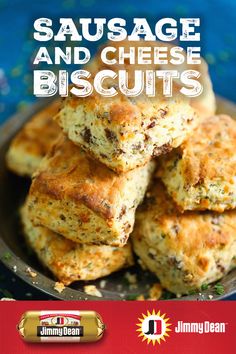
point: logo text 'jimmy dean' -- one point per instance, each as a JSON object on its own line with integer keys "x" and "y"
{"x": 200, "y": 327}
{"x": 54, "y": 331}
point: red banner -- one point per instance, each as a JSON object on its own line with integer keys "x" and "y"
{"x": 133, "y": 327}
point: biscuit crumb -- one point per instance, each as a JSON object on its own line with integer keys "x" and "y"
{"x": 132, "y": 278}
{"x": 103, "y": 284}
{"x": 155, "y": 292}
{"x": 92, "y": 290}
{"x": 59, "y": 287}
{"x": 142, "y": 265}
{"x": 31, "y": 272}
{"x": 140, "y": 298}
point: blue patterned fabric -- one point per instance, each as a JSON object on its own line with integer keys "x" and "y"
{"x": 218, "y": 18}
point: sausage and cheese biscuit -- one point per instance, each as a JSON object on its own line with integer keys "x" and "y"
{"x": 125, "y": 132}
{"x": 201, "y": 173}
{"x": 183, "y": 250}
{"x": 70, "y": 261}
{"x": 84, "y": 200}
{"x": 33, "y": 141}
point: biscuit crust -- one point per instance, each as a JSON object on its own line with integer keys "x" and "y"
{"x": 33, "y": 141}
{"x": 126, "y": 132}
{"x": 183, "y": 250}
{"x": 201, "y": 173}
{"x": 69, "y": 261}
{"x": 82, "y": 199}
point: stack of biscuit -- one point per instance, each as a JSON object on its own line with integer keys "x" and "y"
{"x": 33, "y": 147}
{"x": 93, "y": 172}
{"x": 186, "y": 229}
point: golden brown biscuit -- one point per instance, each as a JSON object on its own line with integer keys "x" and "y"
{"x": 82, "y": 199}
{"x": 125, "y": 132}
{"x": 201, "y": 173}
{"x": 70, "y": 261}
{"x": 33, "y": 141}
{"x": 183, "y": 250}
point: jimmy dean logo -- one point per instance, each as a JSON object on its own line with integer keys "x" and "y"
{"x": 200, "y": 327}
{"x": 57, "y": 324}
{"x": 64, "y": 331}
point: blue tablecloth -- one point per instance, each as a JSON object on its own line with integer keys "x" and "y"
{"x": 218, "y": 18}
